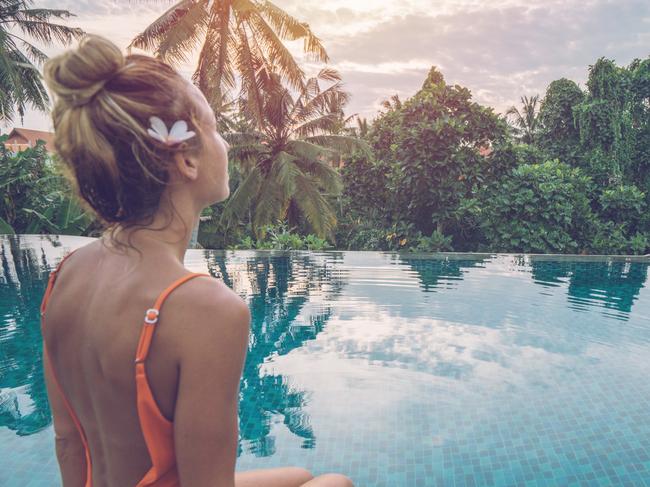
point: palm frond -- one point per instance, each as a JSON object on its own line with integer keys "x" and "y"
{"x": 246, "y": 66}
{"x": 277, "y": 109}
{"x": 340, "y": 143}
{"x": 269, "y": 205}
{"x": 324, "y": 175}
{"x": 240, "y": 202}
{"x": 284, "y": 172}
{"x": 246, "y": 149}
{"x": 309, "y": 151}
{"x": 33, "y": 52}
{"x": 38, "y": 14}
{"x": 329, "y": 100}
{"x": 217, "y": 78}
{"x": 155, "y": 33}
{"x": 183, "y": 34}
{"x": 276, "y": 52}
{"x": 290, "y": 28}
{"x": 314, "y": 206}
{"x": 22, "y": 81}
{"x": 48, "y": 33}
{"x": 329, "y": 74}
{"x": 319, "y": 125}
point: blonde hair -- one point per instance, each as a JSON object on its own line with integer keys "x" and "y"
{"x": 103, "y": 101}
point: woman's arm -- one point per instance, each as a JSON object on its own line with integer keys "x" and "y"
{"x": 211, "y": 361}
{"x": 69, "y": 448}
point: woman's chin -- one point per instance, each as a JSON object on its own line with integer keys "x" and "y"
{"x": 222, "y": 196}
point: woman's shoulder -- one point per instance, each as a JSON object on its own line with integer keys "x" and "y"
{"x": 210, "y": 297}
{"x": 205, "y": 311}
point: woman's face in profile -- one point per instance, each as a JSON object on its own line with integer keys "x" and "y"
{"x": 213, "y": 158}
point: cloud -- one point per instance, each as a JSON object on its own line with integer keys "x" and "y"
{"x": 499, "y": 51}
{"x": 84, "y": 8}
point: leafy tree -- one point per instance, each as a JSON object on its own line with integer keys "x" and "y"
{"x": 362, "y": 128}
{"x": 20, "y": 81}
{"x": 559, "y": 134}
{"x": 433, "y": 142}
{"x": 605, "y": 123}
{"x": 639, "y": 86}
{"x": 241, "y": 43}
{"x": 366, "y": 188}
{"x": 393, "y": 103}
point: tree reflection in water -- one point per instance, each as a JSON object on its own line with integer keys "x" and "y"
{"x": 614, "y": 284}
{"x": 439, "y": 272}
{"x": 278, "y": 288}
{"x": 24, "y": 407}
{"x": 290, "y": 296}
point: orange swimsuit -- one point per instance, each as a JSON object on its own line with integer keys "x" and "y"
{"x": 157, "y": 430}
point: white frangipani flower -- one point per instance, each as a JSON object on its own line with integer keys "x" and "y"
{"x": 178, "y": 132}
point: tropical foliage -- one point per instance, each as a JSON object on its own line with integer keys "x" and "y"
{"x": 20, "y": 80}
{"x": 286, "y": 167}
{"x": 35, "y": 196}
{"x": 569, "y": 177}
{"x": 566, "y": 172}
{"x": 241, "y": 42}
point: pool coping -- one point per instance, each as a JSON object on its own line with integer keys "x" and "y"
{"x": 412, "y": 255}
{"x": 452, "y": 255}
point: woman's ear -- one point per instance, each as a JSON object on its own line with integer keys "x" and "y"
{"x": 186, "y": 165}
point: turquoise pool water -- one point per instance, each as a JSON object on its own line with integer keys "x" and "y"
{"x": 396, "y": 370}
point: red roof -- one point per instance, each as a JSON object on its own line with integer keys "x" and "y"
{"x": 21, "y": 138}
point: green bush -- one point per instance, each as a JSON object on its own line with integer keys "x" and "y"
{"x": 623, "y": 204}
{"x": 437, "y": 242}
{"x": 280, "y": 237}
{"x": 539, "y": 208}
{"x": 361, "y": 235}
{"x": 611, "y": 238}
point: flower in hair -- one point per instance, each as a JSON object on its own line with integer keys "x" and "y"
{"x": 178, "y": 132}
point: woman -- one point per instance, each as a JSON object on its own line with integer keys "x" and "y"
{"x": 170, "y": 419}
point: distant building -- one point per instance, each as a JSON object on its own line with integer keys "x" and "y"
{"x": 21, "y": 139}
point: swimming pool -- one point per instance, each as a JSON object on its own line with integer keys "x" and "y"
{"x": 395, "y": 369}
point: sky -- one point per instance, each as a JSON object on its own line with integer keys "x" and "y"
{"x": 500, "y": 50}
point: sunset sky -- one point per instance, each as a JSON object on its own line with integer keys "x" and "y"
{"x": 499, "y": 49}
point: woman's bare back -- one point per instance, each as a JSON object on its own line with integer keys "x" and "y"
{"x": 92, "y": 327}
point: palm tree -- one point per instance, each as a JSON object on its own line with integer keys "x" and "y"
{"x": 393, "y": 103}
{"x": 286, "y": 164}
{"x": 525, "y": 123}
{"x": 241, "y": 43}
{"x": 20, "y": 80}
{"x": 360, "y": 130}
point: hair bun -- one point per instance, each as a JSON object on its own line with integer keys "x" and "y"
{"x": 79, "y": 74}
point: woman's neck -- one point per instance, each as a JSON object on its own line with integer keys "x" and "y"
{"x": 161, "y": 236}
